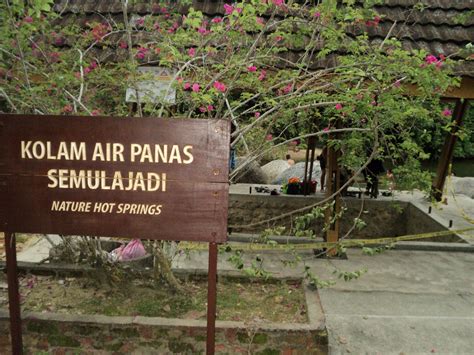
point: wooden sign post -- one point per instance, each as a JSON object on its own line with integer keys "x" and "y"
{"x": 143, "y": 178}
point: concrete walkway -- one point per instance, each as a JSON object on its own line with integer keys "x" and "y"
{"x": 410, "y": 302}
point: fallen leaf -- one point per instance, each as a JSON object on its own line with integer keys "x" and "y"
{"x": 167, "y": 308}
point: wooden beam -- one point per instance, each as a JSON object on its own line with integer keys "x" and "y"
{"x": 333, "y": 184}
{"x": 308, "y": 173}
{"x": 464, "y": 91}
{"x": 448, "y": 149}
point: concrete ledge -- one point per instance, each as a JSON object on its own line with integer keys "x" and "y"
{"x": 435, "y": 246}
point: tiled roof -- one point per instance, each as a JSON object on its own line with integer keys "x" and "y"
{"x": 437, "y": 26}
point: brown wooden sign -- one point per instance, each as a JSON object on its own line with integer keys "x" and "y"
{"x": 143, "y": 178}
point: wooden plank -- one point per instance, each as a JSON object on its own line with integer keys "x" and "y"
{"x": 191, "y": 206}
{"x": 208, "y": 138}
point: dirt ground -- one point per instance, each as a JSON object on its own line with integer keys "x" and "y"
{"x": 237, "y": 301}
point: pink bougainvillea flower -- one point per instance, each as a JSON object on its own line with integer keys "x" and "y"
{"x": 59, "y": 41}
{"x": 203, "y": 30}
{"x": 95, "y": 112}
{"x": 77, "y": 75}
{"x": 317, "y": 14}
{"x": 142, "y": 51}
{"x": 99, "y": 31}
{"x": 192, "y": 52}
{"x": 87, "y": 70}
{"x": 374, "y": 103}
{"x": 186, "y": 86}
{"x": 93, "y": 65}
{"x": 338, "y": 107}
{"x": 228, "y": 9}
{"x": 67, "y": 108}
{"x": 220, "y": 86}
{"x": 397, "y": 83}
{"x": 196, "y": 87}
{"x": 262, "y": 75}
{"x": 140, "y": 21}
{"x": 123, "y": 45}
{"x": 431, "y": 59}
{"x": 279, "y": 38}
{"x": 269, "y": 137}
{"x": 326, "y": 129}
{"x": 260, "y": 21}
{"x": 287, "y": 89}
{"x": 278, "y": 2}
{"x": 156, "y": 26}
{"x": 376, "y": 21}
{"x": 202, "y": 109}
{"x": 28, "y": 19}
{"x": 252, "y": 68}
{"x": 217, "y": 19}
{"x": 210, "y": 108}
{"x": 447, "y": 112}
{"x": 257, "y": 115}
{"x": 54, "y": 56}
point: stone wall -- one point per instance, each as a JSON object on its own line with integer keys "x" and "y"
{"x": 418, "y": 222}
{"x": 57, "y": 334}
{"x": 383, "y": 218}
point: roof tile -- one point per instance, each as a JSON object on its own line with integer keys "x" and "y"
{"x": 434, "y": 28}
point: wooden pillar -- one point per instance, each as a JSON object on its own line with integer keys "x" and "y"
{"x": 448, "y": 149}
{"x": 13, "y": 294}
{"x": 333, "y": 184}
{"x": 309, "y": 159}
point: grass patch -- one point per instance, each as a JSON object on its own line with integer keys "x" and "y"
{"x": 236, "y": 300}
